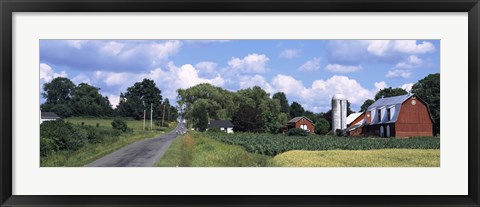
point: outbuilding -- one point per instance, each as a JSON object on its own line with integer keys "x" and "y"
{"x": 223, "y": 125}
{"x": 355, "y": 123}
{"x": 48, "y": 116}
{"x": 301, "y": 122}
{"x": 398, "y": 116}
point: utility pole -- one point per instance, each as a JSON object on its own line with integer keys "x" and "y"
{"x": 144, "y": 111}
{"x": 163, "y": 114}
{"x": 151, "y": 116}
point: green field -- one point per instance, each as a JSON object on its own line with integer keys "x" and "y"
{"x": 94, "y": 151}
{"x": 107, "y": 122}
{"x": 201, "y": 150}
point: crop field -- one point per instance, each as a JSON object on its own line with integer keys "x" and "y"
{"x": 268, "y": 144}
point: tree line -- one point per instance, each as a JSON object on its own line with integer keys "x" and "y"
{"x": 66, "y": 99}
{"x": 252, "y": 109}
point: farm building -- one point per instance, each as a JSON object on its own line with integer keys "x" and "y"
{"x": 48, "y": 116}
{"x": 355, "y": 123}
{"x": 301, "y": 122}
{"x": 223, "y": 125}
{"x": 398, "y": 116}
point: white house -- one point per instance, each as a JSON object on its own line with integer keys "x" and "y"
{"x": 48, "y": 116}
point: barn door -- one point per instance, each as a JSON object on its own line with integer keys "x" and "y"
{"x": 382, "y": 132}
{"x": 388, "y": 130}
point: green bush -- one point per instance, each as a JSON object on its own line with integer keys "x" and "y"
{"x": 214, "y": 130}
{"x": 297, "y": 132}
{"x": 119, "y": 124}
{"x": 62, "y": 110}
{"x": 58, "y": 135}
{"x": 322, "y": 126}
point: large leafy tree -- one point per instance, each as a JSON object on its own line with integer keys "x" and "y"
{"x": 296, "y": 110}
{"x": 322, "y": 126}
{"x": 86, "y": 100}
{"x": 139, "y": 97}
{"x": 247, "y": 119}
{"x": 366, "y": 104}
{"x": 428, "y": 89}
{"x": 389, "y": 92}
{"x": 58, "y": 94}
{"x": 284, "y": 107}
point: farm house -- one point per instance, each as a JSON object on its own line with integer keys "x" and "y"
{"x": 48, "y": 116}
{"x": 301, "y": 122}
{"x": 223, "y": 125}
{"x": 399, "y": 116}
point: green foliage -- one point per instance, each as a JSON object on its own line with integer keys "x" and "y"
{"x": 214, "y": 130}
{"x": 366, "y": 104}
{"x": 428, "y": 89}
{"x": 87, "y": 101}
{"x": 296, "y": 110}
{"x": 268, "y": 144}
{"x": 322, "y": 126}
{"x": 389, "y": 92}
{"x": 284, "y": 107}
{"x": 58, "y": 135}
{"x": 247, "y": 119}
{"x": 139, "y": 97}
{"x": 62, "y": 110}
{"x": 297, "y": 132}
{"x": 58, "y": 91}
{"x": 119, "y": 124}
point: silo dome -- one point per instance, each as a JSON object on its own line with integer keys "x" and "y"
{"x": 339, "y": 96}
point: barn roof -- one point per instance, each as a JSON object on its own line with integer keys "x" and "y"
{"x": 352, "y": 117}
{"x": 394, "y": 100}
{"x": 220, "y": 124}
{"x": 296, "y": 119}
{"x": 49, "y": 115}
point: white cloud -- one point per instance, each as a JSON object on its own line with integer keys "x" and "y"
{"x": 311, "y": 65}
{"x": 112, "y": 48}
{"x": 384, "y": 47}
{"x": 336, "y": 68}
{"x": 76, "y": 43}
{"x": 290, "y": 53}
{"x": 411, "y": 61}
{"x": 81, "y": 79}
{"x": 161, "y": 51}
{"x": 288, "y": 85}
{"x": 407, "y": 86}
{"x": 206, "y": 66}
{"x": 112, "y": 78}
{"x": 398, "y": 73}
{"x": 256, "y": 80}
{"x": 47, "y": 73}
{"x": 114, "y": 100}
{"x": 380, "y": 85}
{"x": 252, "y": 63}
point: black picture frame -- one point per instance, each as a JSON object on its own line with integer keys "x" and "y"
{"x": 7, "y": 7}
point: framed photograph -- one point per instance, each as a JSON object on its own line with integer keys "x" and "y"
{"x": 200, "y": 103}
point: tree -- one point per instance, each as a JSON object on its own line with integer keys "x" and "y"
{"x": 58, "y": 91}
{"x": 366, "y": 104}
{"x": 284, "y": 107}
{"x": 139, "y": 97}
{"x": 247, "y": 119}
{"x": 322, "y": 126}
{"x": 296, "y": 110}
{"x": 389, "y": 92}
{"x": 86, "y": 100}
{"x": 349, "y": 110}
{"x": 428, "y": 89}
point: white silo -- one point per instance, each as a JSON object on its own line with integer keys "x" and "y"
{"x": 339, "y": 112}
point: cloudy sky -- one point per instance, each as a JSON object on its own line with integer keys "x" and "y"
{"x": 308, "y": 71}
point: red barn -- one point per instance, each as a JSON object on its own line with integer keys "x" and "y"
{"x": 398, "y": 116}
{"x": 355, "y": 123}
{"x": 301, "y": 122}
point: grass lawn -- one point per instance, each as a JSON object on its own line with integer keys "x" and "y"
{"x": 107, "y": 122}
{"x": 92, "y": 152}
{"x": 359, "y": 158}
{"x": 195, "y": 150}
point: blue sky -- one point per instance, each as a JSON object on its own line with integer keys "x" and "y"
{"x": 308, "y": 71}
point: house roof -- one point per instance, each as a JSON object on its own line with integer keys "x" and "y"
{"x": 352, "y": 117}
{"x": 220, "y": 124}
{"x": 296, "y": 119}
{"x": 49, "y": 115}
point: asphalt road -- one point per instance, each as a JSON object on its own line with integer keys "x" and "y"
{"x": 139, "y": 154}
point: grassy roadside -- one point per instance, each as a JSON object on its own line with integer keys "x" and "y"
{"x": 195, "y": 150}
{"x": 92, "y": 152}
